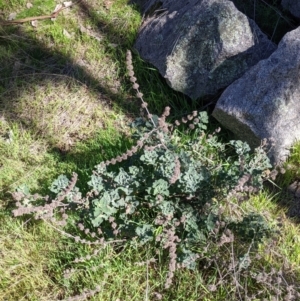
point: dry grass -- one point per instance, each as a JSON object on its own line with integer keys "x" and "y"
{"x": 26, "y": 269}
{"x": 61, "y": 113}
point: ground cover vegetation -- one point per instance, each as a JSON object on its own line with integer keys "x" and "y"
{"x": 114, "y": 187}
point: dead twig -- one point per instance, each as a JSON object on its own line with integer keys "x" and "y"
{"x": 20, "y": 21}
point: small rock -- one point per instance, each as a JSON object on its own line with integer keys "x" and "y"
{"x": 57, "y": 7}
{"x": 68, "y": 3}
{"x": 34, "y": 23}
{"x": 12, "y": 16}
{"x": 67, "y": 34}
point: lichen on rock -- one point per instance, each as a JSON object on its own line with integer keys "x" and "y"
{"x": 201, "y": 47}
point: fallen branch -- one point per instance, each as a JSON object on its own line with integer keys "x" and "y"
{"x": 20, "y": 21}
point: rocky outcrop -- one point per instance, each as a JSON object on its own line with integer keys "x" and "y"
{"x": 293, "y": 6}
{"x": 265, "y": 102}
{"x": 200, "y": 46}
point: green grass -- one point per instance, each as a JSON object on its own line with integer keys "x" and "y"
{"x": 292, "y": 166}
{"x": 39, "y": 8}
{"x": 65, "y": 104}
{"x": 23, "y": 159}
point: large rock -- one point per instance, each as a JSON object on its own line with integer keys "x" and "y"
{"x": 200, "y": 46}
{"x": 293, "y": 6}
{"x": 265, "y": 102}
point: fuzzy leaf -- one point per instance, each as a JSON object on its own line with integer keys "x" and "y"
{"x": 123, "y": 178}
{"x": 102, "y": 209}
{"x": 144, "y": 233}
{"x": 59, "y": 184}
{"x": 96, "y": 183}
{"x": 149, "y": 157}
{"x": 159, "y": 187}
